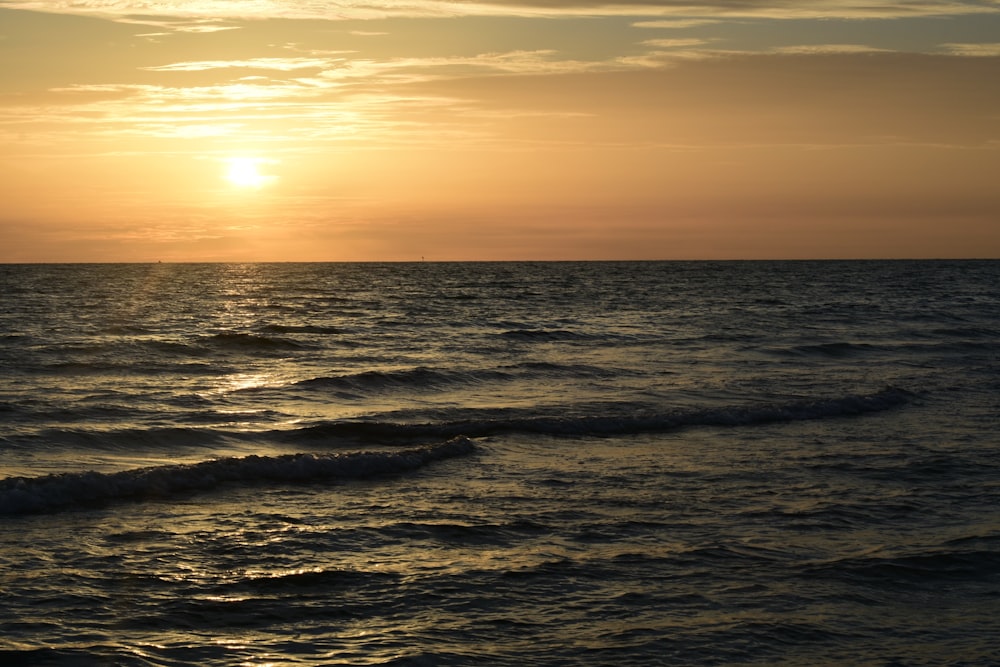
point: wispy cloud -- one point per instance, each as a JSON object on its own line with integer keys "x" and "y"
{"x": 170, "y": 23}
{"x": 280, "y": 64}
{"x": 674, "y": 43}
{"x": 675, "y": 24}
{"x": 806, "y": 49}
{"x": 344, "y": 100}
{"x": 373, "y": 96}
{"x": 371, "y": 9}
{"x": 975, "y": 50}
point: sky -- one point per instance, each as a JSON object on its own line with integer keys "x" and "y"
{"x": 401, "y": 130}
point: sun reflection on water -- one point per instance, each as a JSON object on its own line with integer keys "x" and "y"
{"x": 244, "y": 381}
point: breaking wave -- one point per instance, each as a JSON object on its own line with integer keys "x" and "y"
{"x": 23, "y": 495}
{"x": 606, "y": 425}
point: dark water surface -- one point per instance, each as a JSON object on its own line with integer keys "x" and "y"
{"x": 676, "y": 463}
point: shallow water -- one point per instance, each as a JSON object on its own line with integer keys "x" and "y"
{"x": 564, "y": 463}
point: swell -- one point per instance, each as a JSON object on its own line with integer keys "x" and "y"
{"x": 425, "y": 378}
{"x": 204, "y": 427}
{"x": 837, "y": 349}
{"x": 540, "y": 335}
{"x": 387, "y": 380}
{"x": 979, "y": 342}
{"x": 605, "y": 425}
{"x": 247, "y": 341}
{"x": 302, "y": 329}
{"x": 928, "y": 568}
{"x": 25, "y": 495}
{"x": 123, "y": 439}
{"x": 188, "y": 346}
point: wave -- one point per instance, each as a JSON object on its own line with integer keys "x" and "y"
{"x": 604, "y": 425}
{"x": 841, "y": 349}
{"x": 548, "y": 369}
{"x": 244, "y": 341}
{"x": 967, "y": 332}
{"x": 127, "y": 439}
{"x": 547, "y": 335}
{"x": 126, "y": 330}
{"x": 301, "y": 328}
{"x": 25, "y": 495}
{"x": 383, "y": 380}
{"x": 422, "y": 377}
{"x": 930, "y": 568}
{"x": 324, "y": 580}
{"x": 978, "y": 341}
{"x": 838, "y": 349}
{"x": 207, "y": 427}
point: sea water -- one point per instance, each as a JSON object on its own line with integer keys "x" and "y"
{"x": 648, "y": 463}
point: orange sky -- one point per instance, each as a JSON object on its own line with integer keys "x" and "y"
{"x": 497, "y": 130}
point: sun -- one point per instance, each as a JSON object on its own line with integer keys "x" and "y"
{"x": 244, "y": 172}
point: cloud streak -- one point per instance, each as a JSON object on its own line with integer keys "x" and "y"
{"x": 375, "y": 9}
{"x": 973, "y": 50}
{"x": 279, "y": 64}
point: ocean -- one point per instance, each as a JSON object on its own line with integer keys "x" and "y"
{"x": 593, "y": 463}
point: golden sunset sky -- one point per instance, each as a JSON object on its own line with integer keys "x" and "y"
{"x": 300, "y": 130}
